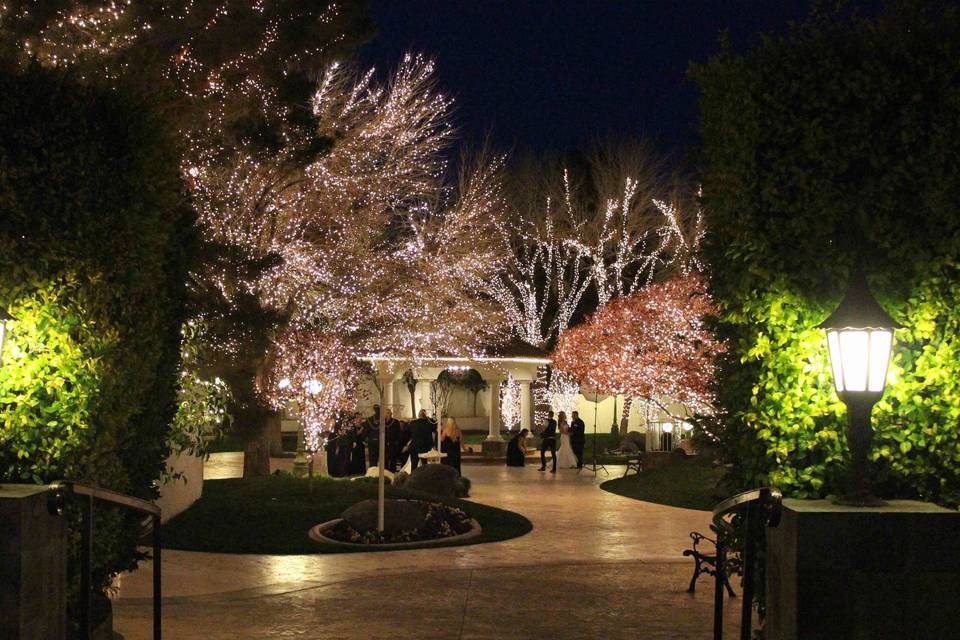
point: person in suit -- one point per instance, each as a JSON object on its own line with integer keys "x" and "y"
{"x": 578, "y": 437}
{"x": 371, "y": 434}
{"x": 548, "y": 441}
{"x": 421, "y": 437}
{"x": 392, "y": 446}
{"x": 403, "y": 443}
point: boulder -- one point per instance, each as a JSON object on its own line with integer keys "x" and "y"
{"x": 436, "y": 479}
{"x": 629, "y": 446}
{"x": 398, "y": 515}
{"x": 640, "y": 439}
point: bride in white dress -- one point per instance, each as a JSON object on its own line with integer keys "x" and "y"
{"x": 566, "y": 459}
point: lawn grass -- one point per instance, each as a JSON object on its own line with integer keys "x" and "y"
{"x": 272, "y": 515}
{"x": 690, "y": 483}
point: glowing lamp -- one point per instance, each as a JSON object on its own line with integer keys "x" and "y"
{"x": 5, "y": 321}
{"x": 668, "y": 427}
{"x": 859, "y": 338}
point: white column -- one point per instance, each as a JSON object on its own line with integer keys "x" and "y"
{"x": 388, "y": 394}
{"x": 494, "y": 386}
{"x": 423, "y": 391}
{"x": 526, "y": 405}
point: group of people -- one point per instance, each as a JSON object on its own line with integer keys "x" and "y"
{"x": 355, "y": 443}
{"x": 572, "y": 438}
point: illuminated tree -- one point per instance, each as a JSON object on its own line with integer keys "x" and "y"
{"x": 510, "y": 403}
{"x": 316, "y": 371}
{"x": 365, "y": 241}
{"x": 652, "y": 346}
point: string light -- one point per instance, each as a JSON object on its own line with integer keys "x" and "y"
{"x": 510, "y": 403}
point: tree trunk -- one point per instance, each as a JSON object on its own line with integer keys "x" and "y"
{"x": 274, "y": 433}
{"x": 256, "y": 450}
{"x": 413, "y": 402}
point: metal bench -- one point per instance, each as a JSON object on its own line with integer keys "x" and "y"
{"x": 706, "y": 562}
{"x": 633, "y": 464}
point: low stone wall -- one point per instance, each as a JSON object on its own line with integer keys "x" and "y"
{"x": 177, "y": 495}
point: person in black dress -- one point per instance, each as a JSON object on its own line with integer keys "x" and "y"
{"x": 578, "y": 437}
{"x": 517, "y": 450}
{"x": 452, "y": 444}
{"x": 548, "y": 442}
{"x": 356, "y": 444}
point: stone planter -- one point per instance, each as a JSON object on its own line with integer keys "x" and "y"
{"x": 316, "y": 533}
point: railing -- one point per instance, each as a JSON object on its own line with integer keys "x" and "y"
{"x": 759, "y": 508}
{"x": 59, "y": 492}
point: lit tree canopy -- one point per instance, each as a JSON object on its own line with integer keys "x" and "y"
{"x": 651, "y": 345}
{"x": 366, "y": 241}
{"x": 240, "y": 66}
{"x": 623, "y": 223}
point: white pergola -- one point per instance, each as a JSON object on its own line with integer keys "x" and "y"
{"x": 520, "y": 363}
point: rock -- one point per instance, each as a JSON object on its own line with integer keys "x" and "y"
{"x": 398, "y": 516}
{"x": 629, "y": 446}
{"x": 640, "y": 439}
{"x": 436, "y": 479}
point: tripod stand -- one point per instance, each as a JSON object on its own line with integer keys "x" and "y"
{"x": 593, "y": 466}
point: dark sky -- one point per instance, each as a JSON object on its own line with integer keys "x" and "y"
{"x": 550, "y": 75}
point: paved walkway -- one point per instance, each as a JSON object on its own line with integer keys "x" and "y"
{"x": 595, "y": 565}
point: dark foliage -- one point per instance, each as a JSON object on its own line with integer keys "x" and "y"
{"x": 837, "y": 143}
{"x": 93, "y": 259}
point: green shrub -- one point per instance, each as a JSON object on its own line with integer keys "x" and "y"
{"x": 838, "y": 142}
{"x": 93, "y": 247}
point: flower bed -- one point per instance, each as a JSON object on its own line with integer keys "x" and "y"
{"x": 440, "y": 521}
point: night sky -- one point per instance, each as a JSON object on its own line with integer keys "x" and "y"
{"x": 550, "y": 75}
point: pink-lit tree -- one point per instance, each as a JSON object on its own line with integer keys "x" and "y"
{"x": 651, "y": 346}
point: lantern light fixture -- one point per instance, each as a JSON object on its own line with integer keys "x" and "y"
{"x": 859, "y": 338}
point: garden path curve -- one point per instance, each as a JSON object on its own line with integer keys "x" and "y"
{"x": 596, "y": 564}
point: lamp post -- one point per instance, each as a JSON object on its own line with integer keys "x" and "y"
{"x": 5, "y": 319}
{"x": 859, "y": 336}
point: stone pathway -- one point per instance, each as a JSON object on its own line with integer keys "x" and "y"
{"x": 595, "y": 565}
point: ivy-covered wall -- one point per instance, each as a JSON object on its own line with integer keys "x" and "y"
{"x": 94, "y": 241}
{"x": 839, "y": 142}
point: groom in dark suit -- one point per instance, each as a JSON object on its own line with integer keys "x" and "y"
{"x": 548, "y": 440}
{"x": 421, "y": 437}
{"x": 578, "y": 437}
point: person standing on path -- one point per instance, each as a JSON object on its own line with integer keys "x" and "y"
{"x": 392, "y": 443}
{"x": 371, "y": 435}
{"x": 421, "y": 438}
{"x": 566, "y": 458}
{"x": 578, "y": 437}
{"x": 452, "y": 444}
{"x": 548, "y": 440}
